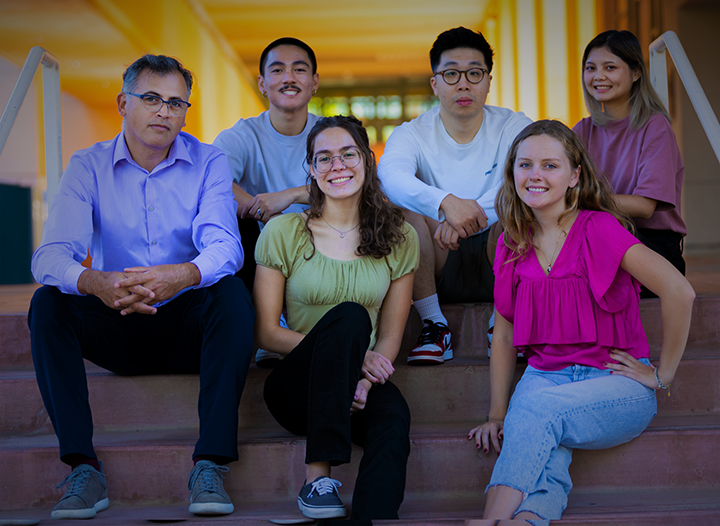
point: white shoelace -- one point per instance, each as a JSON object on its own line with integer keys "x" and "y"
{"x": 325, "y": 485}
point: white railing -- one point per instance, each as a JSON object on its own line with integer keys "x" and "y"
{"x": 51, "y": 111}
{"x": 658, "y": 76}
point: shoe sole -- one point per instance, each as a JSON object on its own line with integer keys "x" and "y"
{"x": 321, "y": 513}
{"x": 211, "y": 508}
{"x": 431, "y": 360}
{"x": 84, "y": 513}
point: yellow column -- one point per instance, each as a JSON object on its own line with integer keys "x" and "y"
{"x": 224, "y": 91}
{"x": 539, "y": 45}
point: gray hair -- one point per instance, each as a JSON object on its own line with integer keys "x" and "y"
{"x": 160, "y": 64}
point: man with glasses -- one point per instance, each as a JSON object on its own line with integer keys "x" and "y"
{"x": 155, "y": 209}
{"x": 445, "y": 168}
{"x": 266, "y": 152}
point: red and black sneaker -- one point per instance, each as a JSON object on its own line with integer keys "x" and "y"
{"x": 434, "y": 347}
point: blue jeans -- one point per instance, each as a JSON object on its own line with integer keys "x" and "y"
{"x": 553, "y": 412}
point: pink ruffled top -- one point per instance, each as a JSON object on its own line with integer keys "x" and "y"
{"x": 586, "y": 305}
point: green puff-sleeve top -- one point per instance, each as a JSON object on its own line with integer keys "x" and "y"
{"x": 316, "y": 285}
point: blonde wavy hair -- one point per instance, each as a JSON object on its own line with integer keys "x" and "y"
{"x": 590, "y": 193}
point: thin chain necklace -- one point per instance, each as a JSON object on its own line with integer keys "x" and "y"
{"x": 557, "y": 247}
{"x": 342, "y": 234}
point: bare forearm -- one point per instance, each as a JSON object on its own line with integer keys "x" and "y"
{"x": 241, "y": 196}
{"x": 636, "y": 205}
{"x": 277, "y": 339}
{"x": 676, "y": 304}
{"x": 502, "y": 373}
{"x": 299, "y": 195}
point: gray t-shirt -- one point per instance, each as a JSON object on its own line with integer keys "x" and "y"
{"x": 263, "y": 160}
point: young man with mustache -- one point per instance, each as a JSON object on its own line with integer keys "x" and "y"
{"x": 267, "y": 152}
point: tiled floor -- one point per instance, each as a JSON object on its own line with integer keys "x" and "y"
{"x": 703, "y": 271}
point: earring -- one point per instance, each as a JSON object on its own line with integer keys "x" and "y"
{"x": 265, "y": 94}
{"x": 314, "y": 91}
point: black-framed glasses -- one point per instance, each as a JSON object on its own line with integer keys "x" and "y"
{"x": 473, "y": 75}
{"x": 176, "y": 107}
{"x": 350, "y": 158}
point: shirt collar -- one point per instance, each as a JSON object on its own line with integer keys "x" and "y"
{"x": 178, "y": 151}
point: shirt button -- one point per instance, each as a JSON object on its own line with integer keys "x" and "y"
{"x": 151, "y": 208}
{"x": 154, "y": 243}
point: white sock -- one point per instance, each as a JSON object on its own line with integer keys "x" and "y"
{"x": 429, "y": 309}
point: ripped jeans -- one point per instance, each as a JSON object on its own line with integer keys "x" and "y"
{"x": 553, "y": 412}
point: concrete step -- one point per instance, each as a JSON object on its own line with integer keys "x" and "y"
{"x": 149, "y": 468}
{"x": 666, "y": 507}
{"x": 468, "y": 323}
{"x": 461, "y": 392}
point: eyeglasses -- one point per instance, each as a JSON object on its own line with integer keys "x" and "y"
{"x": 350, "y": 158}
{"x": 176, "y": 107}
{"x": 452, "y": 76}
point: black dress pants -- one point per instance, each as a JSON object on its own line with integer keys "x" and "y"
{"x": 207, "y": 331}
{"x": 310, "y": 393}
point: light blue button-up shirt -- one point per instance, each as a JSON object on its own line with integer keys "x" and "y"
{"x": 183, "y": 211}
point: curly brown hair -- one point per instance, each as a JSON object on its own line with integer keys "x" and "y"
{"x": 381, "y": 222}
{"x": 590, "y": 193}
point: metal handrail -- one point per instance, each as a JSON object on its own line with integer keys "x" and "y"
{"x": 51, "y": 111}
{"x": 658, "y": 77}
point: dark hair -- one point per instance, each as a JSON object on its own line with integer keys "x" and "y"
{"x": 457, "y": 38}
{"x": 287, "y": 41}
{"x": 644, "y": 100}
{"x": 381, "y": 222}
{"x": 590, "y": 193}
{"x": 160, "y": 64}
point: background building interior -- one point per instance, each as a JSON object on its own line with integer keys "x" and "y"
{"x": 373, "y": 63}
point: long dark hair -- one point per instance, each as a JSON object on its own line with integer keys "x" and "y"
{"x": 381, "y": 222}
{"x": 590, "y": 193}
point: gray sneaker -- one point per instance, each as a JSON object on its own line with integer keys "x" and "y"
{"x": 207, "y": 495}
{"x": 319, "y": 499}
{"x": 86, "y": 495}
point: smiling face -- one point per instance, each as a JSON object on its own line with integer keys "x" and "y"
{"x": 462, "y": 101}
{"x": 149, "y": 132}
{"x": 340, "y": 182}
{"x": 543, "y": 174}
{"x": 608, "y": 79}
{"x": 288, "y": 79}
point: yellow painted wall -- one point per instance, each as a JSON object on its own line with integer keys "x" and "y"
{"x": 225, "y": 89}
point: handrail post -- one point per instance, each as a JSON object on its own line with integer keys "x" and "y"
{"x": 658, "y": 76}
{"x": 52, "y": 105}
{"x": 51, "y": 111}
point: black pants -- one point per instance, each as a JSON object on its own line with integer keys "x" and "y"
{"x": 310, "y": 393}
{"x": 249, "y": 233}
{"x": 666, "y": 243}
{"x": 207, "y": 331}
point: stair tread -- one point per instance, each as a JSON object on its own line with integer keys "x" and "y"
{"x": 619, "y": 506}
{"x": 692, "y": 353}
{"x": 275, "y": 434}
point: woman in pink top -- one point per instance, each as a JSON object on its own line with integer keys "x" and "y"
{"x": 566, "y": 294}
{"x": 630, "y": 138}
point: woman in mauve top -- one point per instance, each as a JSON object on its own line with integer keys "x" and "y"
{"x": 629, "y": 136}
{"x": 345, "y": 270}
{"x": 566, "y": 294}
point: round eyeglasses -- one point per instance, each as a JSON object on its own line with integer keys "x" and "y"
{"x": 176, "y": 107}
{"x": 350, "y": 158}
{"x": 452, "y": 76}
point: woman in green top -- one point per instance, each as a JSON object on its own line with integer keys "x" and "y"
{"x": 344, "y": 269}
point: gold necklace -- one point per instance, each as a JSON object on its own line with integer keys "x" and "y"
{"x": 342, "y": 234}
{"x": 557, "y": 247}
